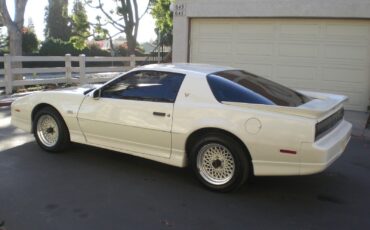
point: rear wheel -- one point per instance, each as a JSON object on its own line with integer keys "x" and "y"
{"x": 50, "y": 131}
{"x": 220, "y": 162}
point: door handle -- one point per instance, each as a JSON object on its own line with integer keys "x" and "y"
{"x": 159, "y": 114}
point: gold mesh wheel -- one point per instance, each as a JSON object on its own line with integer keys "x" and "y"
{"x": 215, "y": 164}
{"x": 47, "y": 130}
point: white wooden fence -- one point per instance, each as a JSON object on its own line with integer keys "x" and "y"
{"x": 9, "y": 82}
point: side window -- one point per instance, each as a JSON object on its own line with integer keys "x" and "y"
{"x": 145, "y": 86}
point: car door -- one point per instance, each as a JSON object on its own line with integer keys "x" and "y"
{"x": 133, "y": 113}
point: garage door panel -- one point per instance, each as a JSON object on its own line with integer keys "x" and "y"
{"x": 313, "y": 54}
{"x": 217, "y": 62}
{"x": 349, "y": 52}
{"x": 222, "y": 58}
{"x": 255, "y": 30}
{"x": 258, "y": 69}
{"x": 296, "y": 72}
{"x": 298, "y": 50}
{"x": 214, "y": 47}
{"x": 255, "y": 49}
{"x": 348, "y": 75}
{"x": 296, "y": 83}
{"x": 299, "y": 31}
{"x": 342, "y": 87}
{"x": 212, "y": 30}
{"x": 347, "y": 32}
{"x": 249, "y": 58}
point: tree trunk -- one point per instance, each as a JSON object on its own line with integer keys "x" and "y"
{"x": 14, "y": 27}
{"x": 15, "y": 42}
{"x": 131, "y": 44}
{"x": 129, "y": 13}
{"x": 15, "y": 48}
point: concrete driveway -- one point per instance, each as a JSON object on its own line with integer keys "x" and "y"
{"x": 92, "y": 188}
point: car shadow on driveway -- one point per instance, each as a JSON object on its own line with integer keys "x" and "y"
{"x": 93, "y": 188}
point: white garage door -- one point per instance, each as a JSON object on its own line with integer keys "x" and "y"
{"x": 313, "y": 54}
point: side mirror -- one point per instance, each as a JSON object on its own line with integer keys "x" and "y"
{"x": 96, "y": 94}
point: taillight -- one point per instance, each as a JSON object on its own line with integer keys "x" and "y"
{"x": 327, "y": 124}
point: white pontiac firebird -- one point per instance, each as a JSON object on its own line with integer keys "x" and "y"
{"x": 226, "y": 123}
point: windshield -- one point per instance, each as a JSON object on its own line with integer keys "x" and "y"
{"x": 241, "y": 86}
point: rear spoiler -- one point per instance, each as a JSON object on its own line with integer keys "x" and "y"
{"x": 319, "y": 108}
{"x": 323, "y": 102}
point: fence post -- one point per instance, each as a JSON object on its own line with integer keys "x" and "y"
{"x": 132, "y": 61}
{"x": 68, "y": 65}
{"x": 8, "y": 74}
{"x": 82, "y": 65}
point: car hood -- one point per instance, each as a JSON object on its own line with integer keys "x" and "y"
{"x": 322, "y": 105}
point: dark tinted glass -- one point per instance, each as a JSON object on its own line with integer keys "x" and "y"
{"x": 250, "y": 88}
{"x": 225, "y": 90}
{"x": 146, "y": 86}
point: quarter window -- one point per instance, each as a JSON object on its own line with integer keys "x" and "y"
{"x": 226, "y": 90}
{"x": 145, "y": 86}
{"x": 241, "y": 86}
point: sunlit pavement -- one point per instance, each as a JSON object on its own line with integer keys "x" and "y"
{"x": 10, "y": 136}
{"x": 91, "y": 188}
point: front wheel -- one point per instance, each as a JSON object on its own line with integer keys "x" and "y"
{"x": 50, "y": 131}
{"x": 220, "y": 162}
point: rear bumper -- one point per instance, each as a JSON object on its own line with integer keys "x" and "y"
{"x": 316, "y": 157}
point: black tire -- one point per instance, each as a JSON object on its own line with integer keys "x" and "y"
{"x": 62, "y": 141}
{"x": 240, "y": 158}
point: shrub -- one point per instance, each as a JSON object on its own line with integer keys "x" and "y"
{"x": 94, "y": 50}
{"x": 57, "y": 47}
{"x": 122, "y": 51}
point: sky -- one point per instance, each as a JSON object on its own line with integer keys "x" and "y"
{"x": 35, "y": 11}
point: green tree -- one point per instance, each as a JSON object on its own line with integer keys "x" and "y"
{"x": 163, "y": 20}
{"x": 30, "y": 44}
{"x": 80, "y": 25}
{"x": 57, "y": 21}
{"x": 14, "y": 27}
{"x": 124, "y": 16}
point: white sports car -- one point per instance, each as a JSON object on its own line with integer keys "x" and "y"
{"x": 226, "y": 123}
